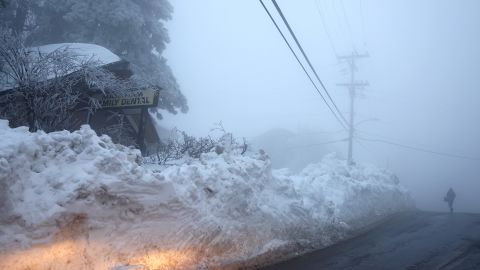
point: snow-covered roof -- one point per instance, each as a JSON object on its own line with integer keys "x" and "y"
{"x": 83, "y": 51}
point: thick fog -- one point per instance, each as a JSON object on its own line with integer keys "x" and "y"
{"x": 423, "y": 70}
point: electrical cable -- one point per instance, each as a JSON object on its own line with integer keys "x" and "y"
{"x": 325, "y": 28}
{"x": 308, "y": 60}
{"x": 319, "y": 144}
{"x": 338, "y": 19}
{"x": 362, "y": 16}
{"x": 369, "y": 150}
{"x": 301, "y": 64}
{"x": 349, "y": 28}
{"x": 439, "y": 153}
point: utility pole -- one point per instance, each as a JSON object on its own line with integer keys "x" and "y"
{"x": 352, "y": 87}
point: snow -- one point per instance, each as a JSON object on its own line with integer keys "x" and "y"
{"x": 93, "y": 204}
{"x": 82, "y": 51}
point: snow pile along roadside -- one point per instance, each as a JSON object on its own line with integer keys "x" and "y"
{"x": 44, "y": 173}
{"x": 89, "y": 202}
{"x": 353, "y": 195}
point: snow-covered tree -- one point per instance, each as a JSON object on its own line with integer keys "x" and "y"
{"x": 14, "y": 14}
{"x": 132, "y": 29}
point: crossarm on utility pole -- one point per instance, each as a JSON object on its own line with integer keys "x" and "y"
{"x": 352, "y": 86}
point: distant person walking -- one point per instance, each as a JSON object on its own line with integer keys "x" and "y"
{"x": 450, "y": 197}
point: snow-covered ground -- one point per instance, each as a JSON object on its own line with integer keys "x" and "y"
{"x": 78, "y": 201}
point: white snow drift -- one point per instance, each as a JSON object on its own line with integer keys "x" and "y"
{"x": 78, "y": 201}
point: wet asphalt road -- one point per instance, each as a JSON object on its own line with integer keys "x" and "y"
{"x": 416, "y": 240}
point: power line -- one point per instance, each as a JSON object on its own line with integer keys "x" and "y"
{"x": 349, "y": 28}
{"x": 439, "y": 153}
{"x": 319, "y": 144}
{"x": 301, "y": 64}
{"x": 369, "y": 150}
{"x": 335, "y": 28}
{"x": 307, "y": 59}
{"x": 375, "y": 135}
{"x": 374, "y": 153}
{"x": 325, "y": 28}
{"x": 338, "y": 19}
{"x": 363, "y": 23}
{"x": 329, "y": 132}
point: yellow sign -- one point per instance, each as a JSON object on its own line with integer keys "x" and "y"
{"x": 147, "y": 97}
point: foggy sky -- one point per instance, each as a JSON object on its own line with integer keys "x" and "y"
{"x": 423, "y": 72}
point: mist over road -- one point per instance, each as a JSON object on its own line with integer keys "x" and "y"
{"x": 416, "y": 240}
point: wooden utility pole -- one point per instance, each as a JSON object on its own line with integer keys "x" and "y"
{"x": 352, "y": 87}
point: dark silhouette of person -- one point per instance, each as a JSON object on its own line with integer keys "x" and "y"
{"x": 450, "y": 197}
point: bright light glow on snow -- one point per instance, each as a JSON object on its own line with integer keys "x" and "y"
{"x": 58, "y": 255}
{"x": 165, "y": 260}
{"x": 69, "y": 254}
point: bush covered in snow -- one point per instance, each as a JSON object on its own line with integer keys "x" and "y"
{"x": 180, "y": 145}
{"x": 82, "y": 197}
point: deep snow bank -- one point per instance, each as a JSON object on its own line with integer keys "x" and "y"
{"x": 78, "y": 201}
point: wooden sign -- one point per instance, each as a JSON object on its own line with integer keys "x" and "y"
{"x": 141, "y": 98}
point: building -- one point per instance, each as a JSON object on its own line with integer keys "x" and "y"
{"x": 124, "y": 118}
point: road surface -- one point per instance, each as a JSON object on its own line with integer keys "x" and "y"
{"x": 416, "y": 240}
